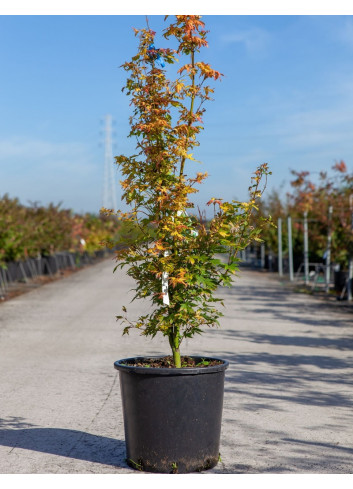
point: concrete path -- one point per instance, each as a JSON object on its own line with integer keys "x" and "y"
{"x": 288, "y": 394}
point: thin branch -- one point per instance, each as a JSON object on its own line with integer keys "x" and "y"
{"x": 191, "y": 106}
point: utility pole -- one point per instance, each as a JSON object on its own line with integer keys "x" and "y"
{"x": 328, "y": 250}
{"x": 280, "y": 260}
{"x": 290, "y": 249}
{"x": 306, "y": 249}
{"x": 109, "y": 185}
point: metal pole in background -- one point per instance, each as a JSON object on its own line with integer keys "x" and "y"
{"x": 306, "y": 249}
{"x": 328, "y": 250}
{"x": 280, "y": 259}
{"x": 109, "y": 187}
{"x": 350, "y": 279}
{"x": 270, "y": 259}
{"x": 290, "y": 249}
{"x": 262, "y": 255}
{"x": 350, "y": 262}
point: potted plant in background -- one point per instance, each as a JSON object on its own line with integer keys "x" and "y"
{"x": 172, "y": 405}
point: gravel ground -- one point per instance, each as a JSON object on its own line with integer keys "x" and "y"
{"x": 288, "y": 392}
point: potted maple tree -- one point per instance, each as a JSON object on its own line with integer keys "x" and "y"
{"x": 172, "y": 405}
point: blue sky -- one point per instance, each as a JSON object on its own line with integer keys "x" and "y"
{"x": 286, "y": 99}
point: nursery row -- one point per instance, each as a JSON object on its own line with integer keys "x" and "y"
{"x": 24, "y": 272}
{"x": 38, "y": 231}
{"x": 321, "y": 210}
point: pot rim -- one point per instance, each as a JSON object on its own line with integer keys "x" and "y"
{"x": 122, "y": 367}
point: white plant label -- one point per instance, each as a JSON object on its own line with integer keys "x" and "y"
{"x": 165, "y": 276}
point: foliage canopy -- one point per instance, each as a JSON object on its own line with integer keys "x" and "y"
{"x": 178, "y": 260}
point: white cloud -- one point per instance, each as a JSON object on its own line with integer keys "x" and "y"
{"x": 255, "y": 40}
{"x": 46, "y": 171}
{"x": 18, "y": 148}
{"x": 316, "y": 128}
{"x": 345, "y": 33}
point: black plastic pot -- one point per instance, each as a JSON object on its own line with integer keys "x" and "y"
{"x": 172, "y": 416}
{"x": 340, "y": 280}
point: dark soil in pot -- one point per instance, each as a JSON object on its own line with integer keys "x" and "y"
{"x": 167, "y": 362}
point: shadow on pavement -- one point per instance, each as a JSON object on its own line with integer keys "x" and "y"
{"x": 289, "y": 361}
{"x": 266, "y": 298}
{"x": 307, "y": 367}
{"x": 64, "y": 442}
{"x": 339, "y": 343}
{"x": 322, "y": 446}
{"x": 291, "y": 378}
